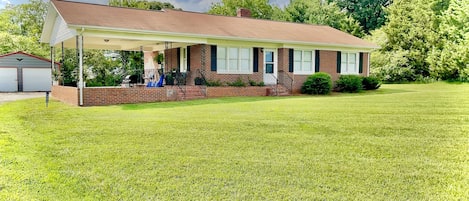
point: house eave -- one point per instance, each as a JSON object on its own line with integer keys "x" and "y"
{"x": 205, "y": 39}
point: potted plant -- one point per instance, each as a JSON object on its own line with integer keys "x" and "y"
{"x": 169, "y": 79}
{"x": 199, "y": 81}
{"x": 159, "y": 58}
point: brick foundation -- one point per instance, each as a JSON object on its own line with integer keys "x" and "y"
{"x": 237, "y": 91}
{"x": 65, "y": 94}
{"x": 116, "y": 95}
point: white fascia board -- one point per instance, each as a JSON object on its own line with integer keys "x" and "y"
{"x": 288, "y": 44}
{"x": 330, "y": 47}
{"x": 138, "y": 35}
{"x": 245, "y": 43}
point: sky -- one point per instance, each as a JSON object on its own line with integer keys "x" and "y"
{"x": 188, "y": 5}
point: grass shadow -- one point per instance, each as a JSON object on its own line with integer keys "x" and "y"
{"x": 208, "y": 101}
{"x": 227, "y": 100}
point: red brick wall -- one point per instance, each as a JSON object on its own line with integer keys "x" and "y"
{"x": 226, "y": 78}
{"x": 116, "y": 95}
{"x": 171, "y": 60}
{"x": 69, "y": 95}
{"x": 236, "y": 91}
{"x": 328, "y": 63}
{"x": 200, "y": 59}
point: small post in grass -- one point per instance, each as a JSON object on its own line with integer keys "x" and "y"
{"x": 47, "y": 98}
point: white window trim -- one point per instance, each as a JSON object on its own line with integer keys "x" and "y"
{"x": 357, "y": 67}
{"x": 313, "y": 62}
{"x": 183, "y": 59}
{"x": 227, "y": 60}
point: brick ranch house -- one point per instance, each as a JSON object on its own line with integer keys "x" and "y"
{"x": 279, "y": 54}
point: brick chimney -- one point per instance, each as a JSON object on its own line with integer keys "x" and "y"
{"x": 243, "y": 12}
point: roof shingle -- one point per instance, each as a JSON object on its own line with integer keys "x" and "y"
{"x": 204, "y": 25}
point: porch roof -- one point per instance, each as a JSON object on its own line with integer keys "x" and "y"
{"x": 128, "y": 28}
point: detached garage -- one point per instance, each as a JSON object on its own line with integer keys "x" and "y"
{"x": 20, "y": 71}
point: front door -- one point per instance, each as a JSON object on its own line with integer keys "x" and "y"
{"x": 270, "y": 66}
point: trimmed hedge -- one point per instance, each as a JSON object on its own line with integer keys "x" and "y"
{"x": 371, "y": 83}
{"x": 349, "y": 83}
{"x": 318, "y": 83}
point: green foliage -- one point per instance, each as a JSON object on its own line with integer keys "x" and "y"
{"x": 21, "y": 27}
{"x": 450, "y": 61}
{"x": 319, "y": 12}
{"x": 423, "y": 40}
{"x": 371, "y": 83}
{"x": 369, "y": 13}
{"x": 238, "y": 83}
{"x": 169, "y": 79}
{"x": 318, "y": 83}
{"x": 411, "y": 140}
{"x": 349, "y": 83}
{"x": 141, "y": 4}
{"x": 69, "y": 69}
{"x": 254, "y": 83}
{"x": 213, "y": 83}
{"x": 260, "y": 9}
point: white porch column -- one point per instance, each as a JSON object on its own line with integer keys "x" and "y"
{"x": 52, "y": 64}
{"x": 80, "y": 65}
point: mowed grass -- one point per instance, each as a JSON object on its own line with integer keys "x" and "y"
{"x": 401, "y": 142}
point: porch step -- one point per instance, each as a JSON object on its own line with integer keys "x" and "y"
{"x": 191, "y": 93}
{"x": 282, "y": 90}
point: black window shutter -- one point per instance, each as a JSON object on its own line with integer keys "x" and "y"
{"x": 360, "y": 63}
{"x": 317, "y": 61}
{"x": 339, "y": 60}
{"x": 213, "y": 58}
{"x": 256, "y": 60}
{"x": 178, "y": 58}
{"x": 290, "y": 60}
{"x": 188, "y": 52}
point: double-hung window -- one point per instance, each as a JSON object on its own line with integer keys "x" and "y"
{"x": 303, "y": 62}
{"x": 349, "y": 63}
{"x": 235, "y": 60}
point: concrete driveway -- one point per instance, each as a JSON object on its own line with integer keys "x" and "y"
{"x": 7, "y": 97}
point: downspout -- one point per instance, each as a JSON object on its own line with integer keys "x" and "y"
{"x": 52, "y": 59}
{"x": 80, "y": 64}
{"x": 368, "y": 65}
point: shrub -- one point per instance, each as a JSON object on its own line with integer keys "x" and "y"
{"x": 213, "y": 83}
{"x": 318, "y": 83}
{"x": 261, "y": 84}
{"x": 349, "y": 83}
{"x": 237, "y": 83}
{"x": 252, "y": 82}
{"x": 371, "y": 83}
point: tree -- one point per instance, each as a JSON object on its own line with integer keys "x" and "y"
{"x": 21, "y": 27}
{"x": 410, "y": 34}
{"x": 260, "y": 9}
{"x": 369, "y": 13}
{"x": 450, "y": 61}
{"x": 147, "y": 5}
{"x": 319, "y": 12}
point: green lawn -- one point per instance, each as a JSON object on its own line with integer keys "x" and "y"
{"x": 402, "y": 142}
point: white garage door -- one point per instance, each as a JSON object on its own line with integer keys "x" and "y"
{"x": 35, "y": 79}
{"x": 8, "y": 80}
